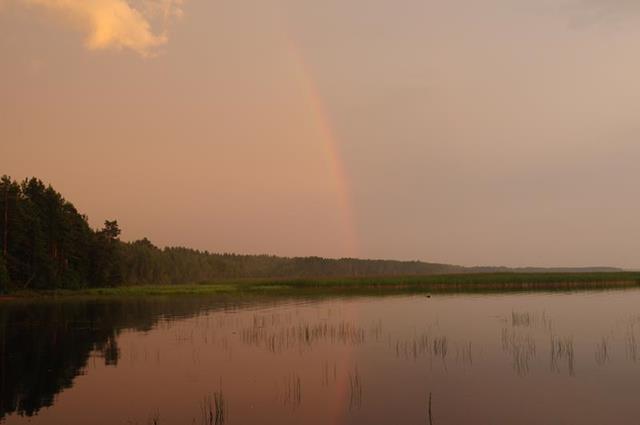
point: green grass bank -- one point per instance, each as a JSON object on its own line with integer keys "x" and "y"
{"x": 482, "y": 282}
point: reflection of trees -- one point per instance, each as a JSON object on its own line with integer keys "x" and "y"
{"x": 45, "y": 345}
{"x": 44, "y": 349}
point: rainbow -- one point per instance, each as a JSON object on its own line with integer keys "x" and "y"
{"x": 314, "y": 105}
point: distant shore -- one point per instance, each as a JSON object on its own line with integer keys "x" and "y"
{"x": 477, "y": 282}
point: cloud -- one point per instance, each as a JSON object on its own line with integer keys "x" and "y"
{"x": 118, "y": 24}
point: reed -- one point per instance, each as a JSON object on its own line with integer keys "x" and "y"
{"x": 467, "y": 282}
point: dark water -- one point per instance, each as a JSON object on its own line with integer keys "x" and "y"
{"x": 535, "y": 358}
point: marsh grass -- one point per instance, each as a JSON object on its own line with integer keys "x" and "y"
{"x": 154, "y": 418}
{"x": 477, "y": 282}
{"x": 355, "y": 390}
{"x": 602, "y": 354}
{"x": 521, "y": 348}
{"x": 562, "y": 350}
{"x": 430, "y": 412}
{"x": 213, "y": 409}
{"x": 292, "y": 394}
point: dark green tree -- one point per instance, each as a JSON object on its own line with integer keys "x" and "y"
{"x": 5, "y": 281}
{"x": 45, "y": 243}
{"x": 106, "y": 256}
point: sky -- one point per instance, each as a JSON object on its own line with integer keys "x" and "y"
{"x": 501, "y": 132}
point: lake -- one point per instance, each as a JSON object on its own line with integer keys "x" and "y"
{"x": 525, "y": 358}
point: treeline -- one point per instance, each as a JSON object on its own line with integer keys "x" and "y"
{"x": 143, "y": 263}
{"x": 47, "y": 244}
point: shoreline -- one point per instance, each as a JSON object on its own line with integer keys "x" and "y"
{"x": 449, "y": 283}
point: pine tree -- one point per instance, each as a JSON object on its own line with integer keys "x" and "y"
{"x": 5, "y": 281}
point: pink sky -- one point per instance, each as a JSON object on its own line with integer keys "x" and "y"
{"x": 495, "y": 133}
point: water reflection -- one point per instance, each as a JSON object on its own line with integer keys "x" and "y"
{"x": 45, "y": 345}
{"x": 359, "y": 360}
{"x": 520, "y": 347}
{"x": 44, "y": 348}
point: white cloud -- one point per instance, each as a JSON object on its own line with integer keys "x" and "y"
{"x": 118, "y": 24}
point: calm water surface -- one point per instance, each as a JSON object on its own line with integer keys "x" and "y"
{"x": 527, "y": 358}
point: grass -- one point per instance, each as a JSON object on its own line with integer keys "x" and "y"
{"x": 485, "y": 282}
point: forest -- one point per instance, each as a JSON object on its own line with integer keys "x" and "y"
{"x": 47, "y": 244}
